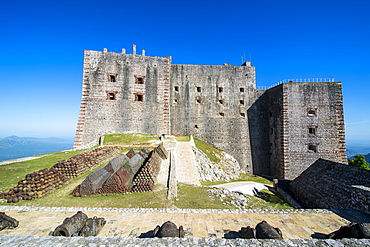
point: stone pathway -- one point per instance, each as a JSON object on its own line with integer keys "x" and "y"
{"x": 294, "y": 224}
{"x": 186, "y": 171}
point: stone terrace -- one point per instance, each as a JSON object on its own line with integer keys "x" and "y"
{"x": 124, "y": 224}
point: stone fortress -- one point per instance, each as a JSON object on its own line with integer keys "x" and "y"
{"x": 278, "y": 132}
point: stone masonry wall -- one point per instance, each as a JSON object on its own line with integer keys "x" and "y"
{"x": 313, "y": 125}
{"x": 123, "y": 93}
{"x": 276, "y": 120}
{"x": 327, "y": 184}
{"x": 278, "y": 132}
{"x": 210, "y": 102}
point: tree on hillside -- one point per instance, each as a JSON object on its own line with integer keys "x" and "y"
{"x": 359, "y": 161}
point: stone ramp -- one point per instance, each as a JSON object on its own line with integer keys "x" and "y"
{"x": 186, "y": 171}
{"x": 197, "y": 223}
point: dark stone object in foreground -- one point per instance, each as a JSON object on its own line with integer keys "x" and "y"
{"x": 352, "y": 230}
{"x": 263, "y": 231}
{"x": 247, "y": 232}
{"x": 79, "y": 225}
{"x": 7, "y": 221}
{"x": 169, "y": 229}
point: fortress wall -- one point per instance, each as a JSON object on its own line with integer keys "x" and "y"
{"x": 327, "y": 184}
{"x": 259, "y": 134}
{"x": 312, "y": 115}
{"x": 211, "y": 102}
{"x": 277, "y": 120}
{"x": 123, "y": 93}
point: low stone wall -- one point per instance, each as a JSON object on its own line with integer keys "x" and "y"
{"x": 327, "y": 184}
{"x": 13, "y": 241}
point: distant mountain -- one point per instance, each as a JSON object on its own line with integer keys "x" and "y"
{"x": 14, "y": 147}
{"x": 353, "y": 150}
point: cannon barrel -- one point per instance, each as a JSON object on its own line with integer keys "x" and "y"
{"x": 72, "y": 226}
{"x": 7, "y": 221}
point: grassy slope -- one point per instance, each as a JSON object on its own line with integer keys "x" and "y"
{"x": 188, "y": 196}
{"x": 10, "y": 174}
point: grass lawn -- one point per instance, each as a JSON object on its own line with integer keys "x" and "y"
{"x": 10, "y": 174}
{"x": 130, "y": 139}
{"x": 209, "y": 150}
{"x": 182, "y": 138}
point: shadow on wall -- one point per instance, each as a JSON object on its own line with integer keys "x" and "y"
{"x": 259, "y": 136}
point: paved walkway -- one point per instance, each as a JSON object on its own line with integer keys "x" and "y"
{"x": 186, "y": 171}
{"x": 294, "y": 225}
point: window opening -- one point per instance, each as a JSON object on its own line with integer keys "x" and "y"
{"x": 198, "y": 101}
{"x": 112, "y": 78}
{"x": 221, "y": 101}
{"x": 176, "y": 88}
{"x": 139, "y": 97}
{"x": 139, "y": 79}
{"x": 312, "y": 131}
{"x": 175, "y": 100}
{"x": 112, "y": 96}
{"x": 196, "y": 126}
{"x": 242, "y": 114}
{"x": 199, "y": 89}
{"x": 220, "y": 89}
{"x": 311, "y": 112}
{"x": 221, "y": 114}
{"x": 242, "y": 89}
{"x": 312, "y": 148}
{"x": 241, "y": 102}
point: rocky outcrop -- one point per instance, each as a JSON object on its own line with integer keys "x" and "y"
{"x": 233, "y": 198}
{"x": 228, "y": 167}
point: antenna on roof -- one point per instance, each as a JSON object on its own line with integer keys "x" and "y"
{"x": 243, "y": 57}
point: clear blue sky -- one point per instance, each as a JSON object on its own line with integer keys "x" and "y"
{"x": 42, "y": 45}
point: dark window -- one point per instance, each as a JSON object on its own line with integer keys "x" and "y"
{"x": 139, "y": 97}
{"x": 242, "y": 114}
{"x": 221, "y": 114}
{"x": 312, "y": 148}
{"x": 176, "y": 88}
{"x": 241, "y": 102}
{"x": 242, "y": 89}
{"x": 112, "y": 96}
{"x": 199, "y": 101}
{"x": 221, "y": 101}
{"x": 199, "y": 89}
{"x": 139, "y": 79}
{"x": 220, "y": 89}
{"x": 196, "y": 126}
{"x": 312, "y": 131}
{"x": 112, "y": 78}
{"x": 311, "y": 112}
{"x": 175, "y": 100}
